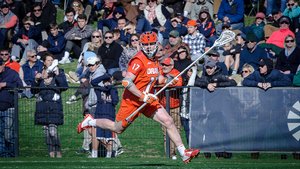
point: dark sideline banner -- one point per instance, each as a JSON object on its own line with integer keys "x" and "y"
{"x": 245, "y": 119}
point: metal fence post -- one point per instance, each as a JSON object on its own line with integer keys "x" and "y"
{"x": 167, "y": 95}
{"x": 16, "y": 120}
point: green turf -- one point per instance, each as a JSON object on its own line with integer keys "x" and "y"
{"x": 161, "y": 163}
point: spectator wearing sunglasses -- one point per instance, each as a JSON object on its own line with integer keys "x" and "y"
{"x": 28, "y": 71}
{"x": 28, "y": 37}
{"x": 277, "y": 37}
{"x": 292, "y": 11}
{"x": 253, "y": 53}
{"x": 246, "y": 71}
{"x": 5, "y": 55}
{"x": 41, "y": 19}
{"x": 110, "y": 52}
{"x": 288, "y": 59}
{"x": 48, "y": 9}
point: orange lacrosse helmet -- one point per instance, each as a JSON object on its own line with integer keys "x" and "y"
{"x": 149, "y": 43}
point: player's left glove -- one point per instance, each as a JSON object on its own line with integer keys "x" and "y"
{"x": 148, "y": 97}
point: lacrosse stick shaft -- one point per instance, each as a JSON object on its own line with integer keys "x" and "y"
{"x": 162, "y": 89}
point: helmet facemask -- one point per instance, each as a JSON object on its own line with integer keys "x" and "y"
{"x": 149, "y": 44}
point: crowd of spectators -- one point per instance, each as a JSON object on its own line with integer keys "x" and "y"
{"x": 30, "y": 35}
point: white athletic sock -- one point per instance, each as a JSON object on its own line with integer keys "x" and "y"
{"x": 181, "y": 150}
{"x": 185, "y": 13}
{"x": 108, "y": 155}
{"x": 94, "y": 153}
{"x": 92, "y": 123}
{"x": 67, "y": 54}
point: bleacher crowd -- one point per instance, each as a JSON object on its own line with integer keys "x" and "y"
{"x": 265, "y": 54}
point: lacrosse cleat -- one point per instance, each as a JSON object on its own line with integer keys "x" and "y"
{"x": 189, "y": 155}
{"x": 85, "y": 123}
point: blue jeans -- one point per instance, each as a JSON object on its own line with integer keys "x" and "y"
{"x": 143, "y": 25}
{"x": 271, "y": 5}
{"x": 7, "y": 133}
{"x": 55, "y": 2}
{"x": 79, "y": 72}
{"x": 28, "y": 93}
{"x": 211, "y": 40}
{"x": 233, "y": 25}
{"x": 2, "y": 36}
{"x": 112, "y": 70}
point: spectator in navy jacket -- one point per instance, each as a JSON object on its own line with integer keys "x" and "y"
{"x": 111, "y": 23}
{"x": 266, "y": 77}
{"x": 288, "y": 59}
{"x": 49, "y": 107}
{"x": 231, "y": 11}
{"x": 175, "y": 23}
{"x": 8, "y": 79}
{"x": 55, "y": 44}
{"x": 28, "y": 37}
{"x": 28, "y": 71}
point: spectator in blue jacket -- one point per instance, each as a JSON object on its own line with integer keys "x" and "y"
{"x": 231, "y": 11}
{"x": 8, "y": 79}
{"x": 28, "y": 72}
{"x": 55, "y": 44}
{"x": 28, "y": 37}
{"x": 175, "y": 23}
{"x": 111, "y": 23}
{"x": 49, "y": 107}
{"x": 253, "y": 53}
{"x": 266, "y": 77}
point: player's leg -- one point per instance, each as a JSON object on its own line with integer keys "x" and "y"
{"x": 166, "y": 120}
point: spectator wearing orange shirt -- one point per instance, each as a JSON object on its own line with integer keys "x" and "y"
{"x": 5, "y": 55}
{"x": 169, "y": 73}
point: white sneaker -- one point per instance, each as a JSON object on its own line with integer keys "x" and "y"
{"x": 53, "y": 66}
{"x": 38, "y": 57}
{"x": 189, "y": 154}
{"x": 64, "y": 60}
{"x": 72, "y": 100}
{"x": 174, "y": 158}
{"x": 14, "y": 58}
{"x": 90, "y": 156}
{"x": 85, "y": 123}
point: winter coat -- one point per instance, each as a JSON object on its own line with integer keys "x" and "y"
{"x": 252, "y": 58}
{"x": 59, "y": 43}
{"x": 258, "y": 30}
{"x": 107, "y": 98}
{"x": 30, "y": 73}
{"x": 291, "y": 62}
{"x": 111, "y": 23}
{"x": 67, "y": 26}
{"x": 110, "y": 56}
{"x": 217, "y": 77}
{"x": 11, "y": 78}
{"x": 277, "y": 37}
{"x": 49, "y": 108}
{"x": 207, "y": 29}
{"x": 235, "y": 13}
{"x": 34, "y": 33}
{"x": 197, "y": 6}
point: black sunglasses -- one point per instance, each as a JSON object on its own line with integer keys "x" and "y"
{"x": 160, "y": 49}
{"x": 287, "y": 41}
{"x": 164, "y": 65}
{"x": 37, "y": 10}
{"x": 96, "y": 36}
{"x": 5, "y": 54}
{"x": 250, "y": 41}
{"x": 284, "y": 22}
{"x": 290, "y": 4}
{"x": 246, "y": 71}
{"x": 91, "y": 65}
{"x": 132, "y": 40}
{"x": 108, "y": 37}
{"x": 33, "y": 56}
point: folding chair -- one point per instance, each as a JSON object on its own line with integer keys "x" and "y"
{"x": 253, "y": 2}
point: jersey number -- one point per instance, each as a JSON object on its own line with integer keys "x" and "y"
{"x": 135, "y": 66}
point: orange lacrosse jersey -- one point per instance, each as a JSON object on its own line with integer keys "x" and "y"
{"x": 146, "y": 72}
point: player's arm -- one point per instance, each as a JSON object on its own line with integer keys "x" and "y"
{"x": 128, "y": 83}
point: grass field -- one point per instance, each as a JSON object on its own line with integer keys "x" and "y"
{"x": 145, "y": 163}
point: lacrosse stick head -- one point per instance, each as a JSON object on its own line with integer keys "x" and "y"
{"x": 226, "y": 36}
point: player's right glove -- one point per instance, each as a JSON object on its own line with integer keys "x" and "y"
{"x": 148, "y": 97}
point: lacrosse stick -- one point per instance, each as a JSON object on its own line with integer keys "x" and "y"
{"x": 226, "y": 36}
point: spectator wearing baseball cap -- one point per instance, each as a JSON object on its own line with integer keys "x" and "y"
{"x": 232, "y": 12}
{"x": 173, "y": 44}
{"x": 198, "y": 6}
{"x": 292, "y": 11}
{"x": 169, "y": 72}
{"x": 195, "y": 40}
{"x": 215, "y": 55}
{"x": 257, "y": 27}
{"x": 277, "y": 37}
{"x": 206, "y": 26}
